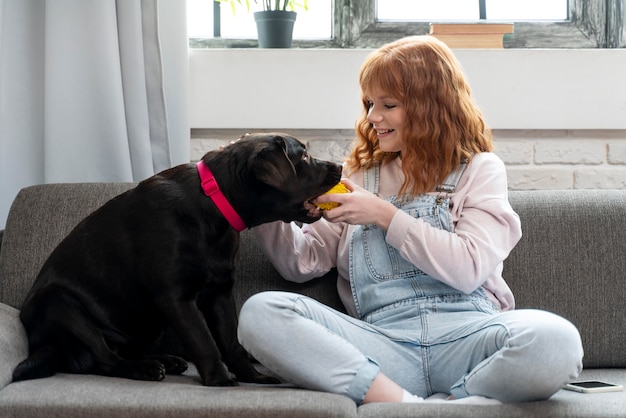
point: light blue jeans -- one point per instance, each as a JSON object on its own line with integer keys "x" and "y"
{"x": 513, "y": 356}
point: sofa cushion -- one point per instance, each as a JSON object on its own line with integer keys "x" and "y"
{"x": 65, "y": 395}
{"x": 571, "y": 260}
{"x": 562, "y": 404}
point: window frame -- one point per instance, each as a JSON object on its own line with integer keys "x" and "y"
{"x": 592, "y": 24}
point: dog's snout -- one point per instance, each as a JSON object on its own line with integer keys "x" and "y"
{"x": 334, "y": 173}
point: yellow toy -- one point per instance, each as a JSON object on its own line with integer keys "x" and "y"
{"x": 337, "y": 188}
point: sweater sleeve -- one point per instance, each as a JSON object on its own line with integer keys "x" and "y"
{"x": 486, "y": 230}
{"x": 299, "y": 253}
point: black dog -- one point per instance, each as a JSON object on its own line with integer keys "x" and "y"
{"x": 163, "y": 255}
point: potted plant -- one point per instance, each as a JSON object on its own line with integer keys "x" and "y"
{"x": 275, "y": 22}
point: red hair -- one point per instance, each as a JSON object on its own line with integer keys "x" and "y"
{"x": 444, "y": 126}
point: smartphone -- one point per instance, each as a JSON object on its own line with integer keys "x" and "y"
{"x": 593, "y": 386}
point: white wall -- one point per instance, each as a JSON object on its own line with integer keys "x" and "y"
{"x": 574, "y": 89}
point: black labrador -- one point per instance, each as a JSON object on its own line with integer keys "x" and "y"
{"x": 163, "y": 255}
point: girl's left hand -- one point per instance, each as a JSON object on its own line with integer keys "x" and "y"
{"x": 359, "y": 207}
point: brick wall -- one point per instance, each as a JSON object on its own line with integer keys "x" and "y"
{"x": 563, "y": 159}
{"x": 535, "y": 159}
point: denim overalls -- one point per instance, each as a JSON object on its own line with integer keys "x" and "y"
{"x": 389, "y": 291}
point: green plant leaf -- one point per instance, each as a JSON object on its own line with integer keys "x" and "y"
{"x": 270, "y": 4}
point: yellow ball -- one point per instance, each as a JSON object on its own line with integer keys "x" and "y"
{"x": 337, "y": 188}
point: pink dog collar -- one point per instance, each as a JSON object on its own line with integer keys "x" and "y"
{"x": 212, "y": 190}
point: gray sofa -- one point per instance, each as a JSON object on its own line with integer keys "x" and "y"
{"x": 571, "y": 260}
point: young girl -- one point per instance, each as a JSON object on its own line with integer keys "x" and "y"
{"x": 418, "y": 245}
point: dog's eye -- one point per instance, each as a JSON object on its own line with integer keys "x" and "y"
{"x": 305, "y": 157}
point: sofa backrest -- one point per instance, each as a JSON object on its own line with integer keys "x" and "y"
{"x": 571, "y": 259}
{"x": 39, "y": 218}
{"x": 42, "y": 215}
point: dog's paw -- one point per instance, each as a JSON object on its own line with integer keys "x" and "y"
{"x": 217, "y": 376}
{"x": 262, "y": 379}
{"x": 172, "y": 364}
{"x": 220, "y": 381}
{"x": 228, "y": 382}
{"x": 147, "y": 369}
{"x": 253, "y": 376}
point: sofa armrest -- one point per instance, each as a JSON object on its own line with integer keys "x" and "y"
{"x": 13, "y": 343}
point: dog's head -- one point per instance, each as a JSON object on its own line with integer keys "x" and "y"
{"x": 269, "y": 177}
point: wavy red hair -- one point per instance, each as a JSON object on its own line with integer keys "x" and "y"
{"x": 444, "y": 126}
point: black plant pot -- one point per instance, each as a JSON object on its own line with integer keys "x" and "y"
{"x": 275, "y": 28}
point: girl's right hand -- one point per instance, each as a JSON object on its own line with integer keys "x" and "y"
{"x": 359, "y": 207}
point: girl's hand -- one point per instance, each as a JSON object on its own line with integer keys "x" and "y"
{"x": 359, "y": 207}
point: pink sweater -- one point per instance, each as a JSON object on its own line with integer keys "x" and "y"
{"x": 486, "y": 230}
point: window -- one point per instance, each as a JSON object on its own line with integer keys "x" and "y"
{"x": 236, "y": 28}
{"x": 314, "y": 23}
{"x": 468, "y": 10}
{"x": 370, "y": 23}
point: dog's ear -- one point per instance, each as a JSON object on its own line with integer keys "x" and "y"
{"x": 273, "y": 166}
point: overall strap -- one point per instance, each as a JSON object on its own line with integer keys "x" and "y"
{"x": 452, "y": 180}
{"x": 371, "y": 179}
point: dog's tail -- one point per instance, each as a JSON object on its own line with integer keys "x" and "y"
{"x": 40, "y": 363}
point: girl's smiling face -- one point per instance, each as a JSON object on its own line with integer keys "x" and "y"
{"x": 386, "y": 114}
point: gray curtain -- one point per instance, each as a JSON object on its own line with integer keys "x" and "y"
{"x": 90, "y": 90}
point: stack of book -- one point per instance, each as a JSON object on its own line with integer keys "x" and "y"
{"x": 471, "y": 35}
